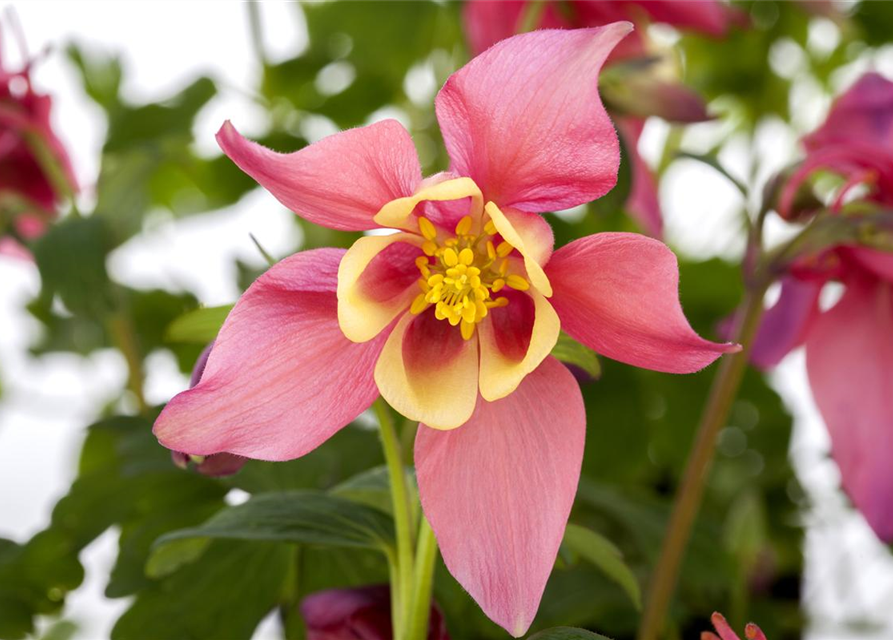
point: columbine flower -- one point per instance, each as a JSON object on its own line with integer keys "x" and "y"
{"x": 634, "y": 94}
{"x": 751, "y": 631}
{"x": 358, "y": 614}
{"x": 849, "y": 348}
{"x": 452, "y": 318}
{"x": 28, "y": 194}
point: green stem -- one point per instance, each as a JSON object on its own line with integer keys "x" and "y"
{"x": 423, "y": 582}
{"x": 691, "y": 490}
{"x": 401, "y": 590}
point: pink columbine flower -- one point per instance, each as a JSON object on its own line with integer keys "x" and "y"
{"x": 452, "y": 318}
{"x": 26, "y": 190}
{"x": 849, "y": 348}
{"x": 751, "y": 631}
{"x": 487, "y": 22}
{"x": 362, "y": 613}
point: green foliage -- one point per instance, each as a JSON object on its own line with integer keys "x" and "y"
{"x": 598, "y": 550}
{"x": 566, "y": 633}
{"x": 306, "y": 517}
{"x": 569, "y": 351}
{"x": 199, "y": 326}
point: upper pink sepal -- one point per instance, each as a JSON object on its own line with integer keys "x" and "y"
{"x": 341, "y": 181}
{"x": 498, "y": 491}
{"x": 618, "y": 293}
{"x": 524, "y": 119}
{"x": 849, "y": 359}
{"x": 281, "y": 378}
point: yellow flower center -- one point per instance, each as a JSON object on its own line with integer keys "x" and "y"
{"x": 460, "y": 273}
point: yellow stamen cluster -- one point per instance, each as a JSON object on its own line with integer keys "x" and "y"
{"x": 460, "y": 274}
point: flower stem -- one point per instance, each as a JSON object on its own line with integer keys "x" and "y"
{"x": 401, "y": 590}
{"x": 691, "y": 490}
{"x": 423, "y": 583}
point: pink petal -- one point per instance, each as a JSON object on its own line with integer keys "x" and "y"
{"x": 784, "y": 326}
{"x": 643, "y": 203}
{"x": 487, "y": 22}
{"x": 722, "y": 627}
{"x": 863, "y": 113}
{"x": 878, "y": 262}
{"x": 849, "y": 359}
{"x": 705, "y": 16}
{"x": 618, "y": 293}
{"x": 525, "y": 121}
{"x": 341, "y": 181}
{"x": 499, "y": 489}
{"x": 281, "y": 378}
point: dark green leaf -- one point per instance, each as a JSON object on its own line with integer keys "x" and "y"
{"x": 223, "y": 595}
{"x": 297, "y": 516}
{"x": 598, "y": 550}
{"x": 566, "y": 633}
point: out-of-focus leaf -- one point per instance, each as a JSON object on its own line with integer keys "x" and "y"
{"x": 297, "y": 516}
{"x": 566, "y": 633}
{"x": 173, "y": 555}
{"x": 101, "y": 76}
{"x": 602, "y": 553}
{"x": 71, "y": 259}
{"x": 225, "y": 594}
{"x": 569, "y": 351}
{"x": 62, "y": 630}
{"x": 200, "y": 326}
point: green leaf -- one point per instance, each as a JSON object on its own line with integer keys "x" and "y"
{"x": 569, "y": 351}
{"x": 200, "y": 326}
{"x": 71, "y": 259}
{"x": 173, "y": 555}
{"x": 598, "y": 550}
{"x": 225, "y": 594}
{"x": 308, "y": 517}
{"x": 566, "y": 633}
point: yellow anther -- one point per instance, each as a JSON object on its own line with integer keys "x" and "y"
{"x": 474, "y": 281}
{"x": 463, "y": 226}
{"x": 501, "y": 301}
{"x": 491, "y": 250}
{"x": 466, "y": 256}
{"x": 504, "y": 249}
{"x": 419, "y": 304}
{"x": 450, "y": 258}
{"x": 435, "y": 280}
{"x": 498, "y": 284}
{"x": 481, "y": 293}
{"x": 452, "y": 242}
{"x": 490, "y": 228}
{"x": 421, "y": 262}
{"x": 440, "y": 311}
{"x": 423, "y": 285}
{"x": 429, "y": 248}
{"x": 468, "y": 312}
{"x": 504, "y": 267}
{"x": 517, "y": 282}
{"x": 467, "y": 329}
{"x": 427, "y": 228}
{"x": 481, "y": 309}
{"x": 453, "y": 316}
{"x": 473, "y": 271}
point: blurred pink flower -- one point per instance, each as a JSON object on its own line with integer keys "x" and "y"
{"x": 362, "y": 613}
{"x": 453, "y": 318}
{"x": 488, "y": 21}
{"x": 28, "y": 194}
{"x": 849, "y": 348}
{"x": 751, "y": 631}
